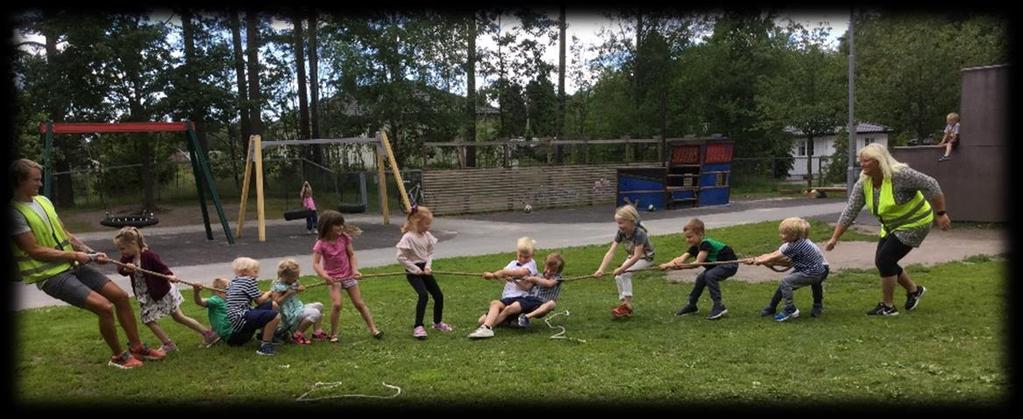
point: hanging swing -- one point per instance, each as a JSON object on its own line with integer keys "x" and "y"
{"x": 142, "y": 219}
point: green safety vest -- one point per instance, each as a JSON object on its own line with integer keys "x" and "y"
{"x": 913, "y": 214}
{"x": 47, "y": 235}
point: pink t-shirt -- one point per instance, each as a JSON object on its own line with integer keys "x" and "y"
{"x": 307, "y": 202}
{"x": 335, "y": 257}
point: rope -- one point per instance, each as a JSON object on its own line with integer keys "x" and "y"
{"x": 148, "y": 272}
{"x": 561, "y": 334}
{"x": 303, "y": 398}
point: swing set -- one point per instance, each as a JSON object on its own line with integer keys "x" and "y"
{"x": 200, "y": 166}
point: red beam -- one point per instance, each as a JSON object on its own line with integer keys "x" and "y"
{"x": 103, "y": 127}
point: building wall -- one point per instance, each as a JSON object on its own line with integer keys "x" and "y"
{"x": 825, "y": 146}
{"x": 975, "y": 181}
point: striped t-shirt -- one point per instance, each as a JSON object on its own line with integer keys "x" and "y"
{"x": 805, "y": 256}
{"x": 240, "y": 293}
{"x": 547, "y": 294}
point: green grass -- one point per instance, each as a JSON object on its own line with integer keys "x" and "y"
{"x": 935, "y": 354}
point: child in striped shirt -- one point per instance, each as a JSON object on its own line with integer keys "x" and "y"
{"x": 808, "y": 268}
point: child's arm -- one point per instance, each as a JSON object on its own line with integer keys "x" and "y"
{"x": 196, "y": 289}
{"x": 353, "y": 260}
{"x": 773, "y": 258}
{"x": 637, "y": 254}
{"x": 524, "y": 284}
{"x": 403, "y": 257}
{"x": 319, "y": 268}
{"x": 607, "y": 259}
{"x": 264, "y": 297}
{"x": 541, "y": 281}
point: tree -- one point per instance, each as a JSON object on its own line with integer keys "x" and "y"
{"x": 314, "y": 73}
{"x": 245, "y": 124}
{"x": 470, "y": 89}
{"x": 252, "y": 45}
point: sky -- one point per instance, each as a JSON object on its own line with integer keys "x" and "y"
{"x": 585, "y": 26}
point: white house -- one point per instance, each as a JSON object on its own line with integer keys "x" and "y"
{"x": 824, "y": 145}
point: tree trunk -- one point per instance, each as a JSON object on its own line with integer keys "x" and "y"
{"x": 196, "y": 115}
{"x": 470, "y": 96}
{"x": 64, "y": 192}
{"x": 252, "y": 45}
{"x": 559, "y": 130}
{"x": 244, "y": 125}
{"x": 314, "y": 78}
{"x": 303, "y": 97}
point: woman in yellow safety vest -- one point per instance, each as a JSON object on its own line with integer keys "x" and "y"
{"x": 48, "y": 256}
{"x": 897, "y": 195}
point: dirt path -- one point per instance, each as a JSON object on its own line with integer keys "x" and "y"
{"x": 939, "y": 247}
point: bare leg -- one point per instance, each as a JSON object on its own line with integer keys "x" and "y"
{"x": 888, "y": 289}
{"x": 103, "y": 308}
{"x": 270, "y": 327}
{"x": 356, "y": 297}
{"x": 158, "y": 331}
{"x": 191, "y": 323}
{"x": 510, "y": 310}
{"x": 495, "y": 309}
{"x": 125, "y": 314}
{"x": 542, "y": 310}
{"x": 906, "y": 282}
{"x": 335, "y": 309}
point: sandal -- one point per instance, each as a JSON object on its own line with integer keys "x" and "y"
{"x": 320, "y": 336}
{"x": 299, "y": 338}
{"x": 334, "y": 339}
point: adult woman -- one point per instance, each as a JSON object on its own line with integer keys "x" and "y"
{"x": 898, "y": 196}
{"x": 56, "y": 261}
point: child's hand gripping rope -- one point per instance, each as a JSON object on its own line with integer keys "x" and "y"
{"x": 167, "y": 277}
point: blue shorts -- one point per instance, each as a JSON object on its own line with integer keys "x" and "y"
{"x": 508, "y": 301}
{"x": 529, "y": 304}
{"x": 255, "y": 319}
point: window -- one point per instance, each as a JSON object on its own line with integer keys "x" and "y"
{"x": 801, "y": 151}
{"x": 867, "y": 141}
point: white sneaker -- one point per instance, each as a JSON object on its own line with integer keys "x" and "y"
{"x": 482, "y": 333}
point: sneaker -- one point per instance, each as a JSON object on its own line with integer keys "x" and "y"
{"x": 944, "y": 158}
{"x": 523, "y": 321}
{"x": 882, "y": 310}
{"x": 482, "y": 333}
{"x": 146, "y": 353}
{"x": 266, "y": 348}
{"x": 299, "y": 338}
{"x": 686, "y": 309}
{"x": 717, "y": 311}
{"x": 169, "y": 347}
{"x": 443, "y": 327}
{"x": 209, "y": 338}
{"x": 124, "y": 361}
{"x": 768, "y": 311}
{"x": 913, "y": 299}
{"x": 787, "y": 314}
{"x": 420, "y": 333}
{"x": 816, "y": 310}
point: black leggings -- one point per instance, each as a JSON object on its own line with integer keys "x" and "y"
{"x": 423, "y": 284}
{"x": 889, "y": 252}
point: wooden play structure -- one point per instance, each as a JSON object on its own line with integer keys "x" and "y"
{"x": 254, "y": 164}
{"x": 200, "y": 166}
{"x": 697, "y": 173}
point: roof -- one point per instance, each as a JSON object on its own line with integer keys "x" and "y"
{"x": 861, "y": 128}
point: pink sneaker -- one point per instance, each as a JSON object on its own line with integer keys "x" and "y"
{"x": 419, "y": 333}
{"x": 443, "y": 327}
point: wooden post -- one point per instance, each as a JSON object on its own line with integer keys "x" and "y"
{"x": 382, "y": 184}
{"x": 260, "y": 213}
{"x": 397, "y": 173}
{"x": 245, "y": 188}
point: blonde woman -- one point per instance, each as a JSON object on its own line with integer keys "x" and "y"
{"x": 898, "y": 196}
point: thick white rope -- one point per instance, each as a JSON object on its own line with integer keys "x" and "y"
{"x": 328, "y": 386}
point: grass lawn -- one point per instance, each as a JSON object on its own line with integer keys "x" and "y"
{"x": 946, "y": 351}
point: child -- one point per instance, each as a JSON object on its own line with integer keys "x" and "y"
{"x": 295, "y": 317}
{"x": 522, "y": 266}
{"x": 543, "y": 294}
{"x": 245, "y": 319}
{"x": 334, "y": 260}
{"x": 415, "y": 251}
{"x": 951, "y": 137}
{"x": 156, "y": 296}
{"x": 808, "y": 267}
{"x": 640, "y": 254}
{"x": 705, "y": 249}
{"x": 308, "y": 203}
{"x": 216, "y": 307}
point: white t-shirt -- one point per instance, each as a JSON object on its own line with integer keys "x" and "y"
{"x": 416, "y": 248}
{"x": 20, "y": 224}
{"x": 512, "y": 290}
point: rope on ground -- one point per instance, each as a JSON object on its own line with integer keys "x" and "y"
{"x": 561, "y": 334}
{"x": 318, "y": 384}
{"x": 148, "y": 272}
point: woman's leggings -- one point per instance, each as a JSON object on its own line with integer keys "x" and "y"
{"x": 889, "y": 252}
{"x": 423, "y": 284}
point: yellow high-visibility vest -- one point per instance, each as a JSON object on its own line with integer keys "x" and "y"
{"x": 913, "y": 214}
{"x": 48, "y": 234}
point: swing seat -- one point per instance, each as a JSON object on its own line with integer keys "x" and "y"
{"x": 298, "y": 213}
{"x": 351, "y": 208}
{"x": 119, "y": 221}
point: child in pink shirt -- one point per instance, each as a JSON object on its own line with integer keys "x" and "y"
{"x": 334, "y": 260}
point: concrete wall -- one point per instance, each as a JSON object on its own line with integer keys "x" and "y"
{"x": 975, "y": 180}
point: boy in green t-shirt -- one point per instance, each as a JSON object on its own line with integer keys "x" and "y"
{"x": 216, "y": 307}
{"x": 705, "y": 250}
